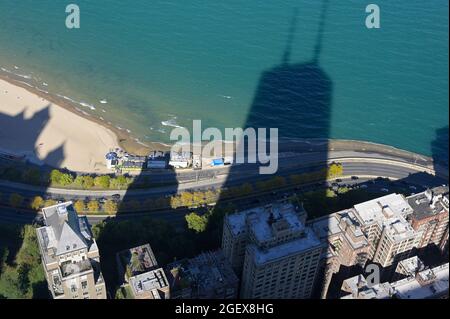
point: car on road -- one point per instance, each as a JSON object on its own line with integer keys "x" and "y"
{"x": 338, "y": 180}
{"x": 116, "y": 196}
{"x": 355, "y": 178}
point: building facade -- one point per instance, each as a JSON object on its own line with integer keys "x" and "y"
{"x": 70, "y": 255}
{"x": 273, "y": 251}
{"x": 431, "y": 216}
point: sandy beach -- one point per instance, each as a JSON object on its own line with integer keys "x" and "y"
{"x": 50, "y": 134}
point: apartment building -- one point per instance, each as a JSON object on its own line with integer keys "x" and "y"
{"x": 384, "y": 222}
{"x": 347, "y": 244}
{"x": 425, "y": 284}
{"x": 273, "y": 251}
{"x": 139, "y": 273}
{"x": 70, "y": 255}
{"x": 206, "y": 276}
{"x": 431, "y": 216}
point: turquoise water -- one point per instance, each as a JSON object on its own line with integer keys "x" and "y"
{"x": 162, "y": 63}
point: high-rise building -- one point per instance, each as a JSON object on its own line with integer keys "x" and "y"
{"x": 383, "y": 221}
{"x": 70, "y": 255}
{"x": 347, "y": 244}
{"x": 276, "y": 255}
{"x": 431, "y": 216}
{"x": 425, "y": 284}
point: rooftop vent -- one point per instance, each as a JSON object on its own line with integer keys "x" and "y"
{"x": 62, "y": 210}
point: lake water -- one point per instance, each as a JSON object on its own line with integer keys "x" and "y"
{"x": 161, "y": 64}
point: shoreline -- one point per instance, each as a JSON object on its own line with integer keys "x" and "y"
{"x": 127, "y": 142}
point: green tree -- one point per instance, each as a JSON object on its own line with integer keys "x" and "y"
{"x": 15, "y": 200}
{"x": 78, "y": 181}
{"x": 66, "y": 179}
{"x": 55, "y": 177}
{"x": 102, "y": 181}
{"x": 79, "y": 206}
{"x": 93, "y": 206}
{"x": 196, "y": 222}
{"x": 120, "y": 182}
{"x": 37, "y": 203}
{"x": 88, "y": 182}
{"x": 110, "y": 207}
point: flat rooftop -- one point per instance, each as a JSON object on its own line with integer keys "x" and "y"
{"x": 379, "y": 209}
{"x": 139, "y": 259}
{"x": 430, "y": 202}
{"x": 389, "y": 212}
{"x": 257, "y": 220}
{"x": 410, "y": 288}
{"x": 308, "y": 242}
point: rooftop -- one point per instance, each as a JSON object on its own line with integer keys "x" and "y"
{"x": 386, "y": 207}
{"x": 265, "y": 222}
{"x": 342, "y": 223}
{"x": 65, "y": 231}
{"x": 389, "y": 212}
{"x": 138, "y": 260}
{"x": 410, "y": 266}
{"x": 305, "y": 243}
{"x": 430, "y": 283}
{"x": 427, "y": 284}
{"x": 150, "y": 282}
{"x": 429, "y": 203}
{"x": 208, "y": 275}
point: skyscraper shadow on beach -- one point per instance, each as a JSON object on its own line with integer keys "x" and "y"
{"x": 26, "y": 132}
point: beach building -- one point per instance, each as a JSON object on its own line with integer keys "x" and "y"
{"x": 180, "y": 159}
{"x": 139, "y": 273}
{"x": 197, "y": 162}
{"x": 273, "y": 251}
{"x": 206, "y": 276}
{"x": 133, "y": 162}
{"x": 70, "y": 255}
{"x": 112, "y": 159}
{"x": 157, "y": 160}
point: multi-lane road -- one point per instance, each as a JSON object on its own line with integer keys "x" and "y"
{"x": 362, "y": 164}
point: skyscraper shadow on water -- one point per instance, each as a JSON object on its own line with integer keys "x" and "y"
{"x": 296, "y": 98}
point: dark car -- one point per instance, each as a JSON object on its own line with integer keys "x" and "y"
{"x": 116, "y": 196}
{"x": 355, "y": 178}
